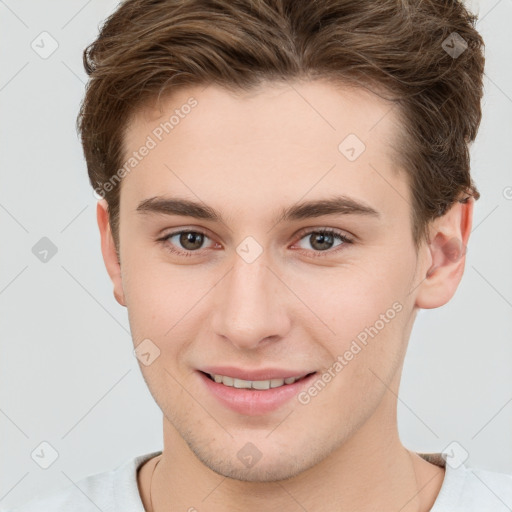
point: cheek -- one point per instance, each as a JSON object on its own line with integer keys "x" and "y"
{"x": 150, "y": 295}
{"x": 369, "y": 335}
{"x": 363, "y": 311}
{"x": 162, "y": 299}
{"x": 351, "y": 297}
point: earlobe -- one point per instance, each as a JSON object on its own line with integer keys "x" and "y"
{"x": 447, "y": 249}
{"x": 108, "y": 250}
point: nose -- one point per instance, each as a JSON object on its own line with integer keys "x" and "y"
{"x": 251, "y": 304}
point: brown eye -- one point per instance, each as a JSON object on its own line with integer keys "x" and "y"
{"x": 185, "y": 243}
{"x": 323, "y": 240}
{"x": 191, "y": 240}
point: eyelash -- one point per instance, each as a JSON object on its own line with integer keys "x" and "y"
{"x": 323, "y": 231}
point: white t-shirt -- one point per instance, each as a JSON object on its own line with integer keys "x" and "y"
{"x": 464, "y": 489}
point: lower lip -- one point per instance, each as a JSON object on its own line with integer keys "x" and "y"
{"x": 253, "y": 402}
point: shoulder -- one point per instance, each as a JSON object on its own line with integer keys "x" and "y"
{"x": 471, "y": 489}
{"x": 91, "y": 493}
{"x": 487, "y": 490}
{"x": 108, "y": 491}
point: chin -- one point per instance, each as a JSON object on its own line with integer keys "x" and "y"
{"x": 268, "y": 469}
{"x": 264, "y": 473}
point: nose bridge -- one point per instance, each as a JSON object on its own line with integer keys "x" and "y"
{"x": 249, "y": 309}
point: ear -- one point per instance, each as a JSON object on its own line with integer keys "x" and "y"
{"x": 446, "y": 256}
{"x": 108, "y": 249}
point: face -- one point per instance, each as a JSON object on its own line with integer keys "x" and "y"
{"x": 296, "y": 259}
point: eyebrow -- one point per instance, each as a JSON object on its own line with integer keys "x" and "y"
{"x": 338, "y": 205}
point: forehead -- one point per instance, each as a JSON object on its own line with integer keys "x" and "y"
{"x": 323, "y": 109}
{"x": 281, "y": 139}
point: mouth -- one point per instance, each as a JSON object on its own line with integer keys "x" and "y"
{"x": 259, "y": 385}
{"x": 253, "y": 397}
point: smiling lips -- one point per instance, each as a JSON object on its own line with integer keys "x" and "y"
{"x": 240, "y": 378}
{"x": 253, "y": 384}
{"x": 253, "y": 392}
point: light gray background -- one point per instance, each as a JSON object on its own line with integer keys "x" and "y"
{"x": 67, "y": 370}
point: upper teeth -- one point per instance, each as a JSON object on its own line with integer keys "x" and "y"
{"x": 254, "y": 384}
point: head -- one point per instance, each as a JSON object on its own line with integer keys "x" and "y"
{"x": 281, "y": 119}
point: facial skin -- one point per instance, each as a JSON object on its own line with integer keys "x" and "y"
{"x": 295, "y": 306}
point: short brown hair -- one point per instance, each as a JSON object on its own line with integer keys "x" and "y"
{"x": 425, "y": 54}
